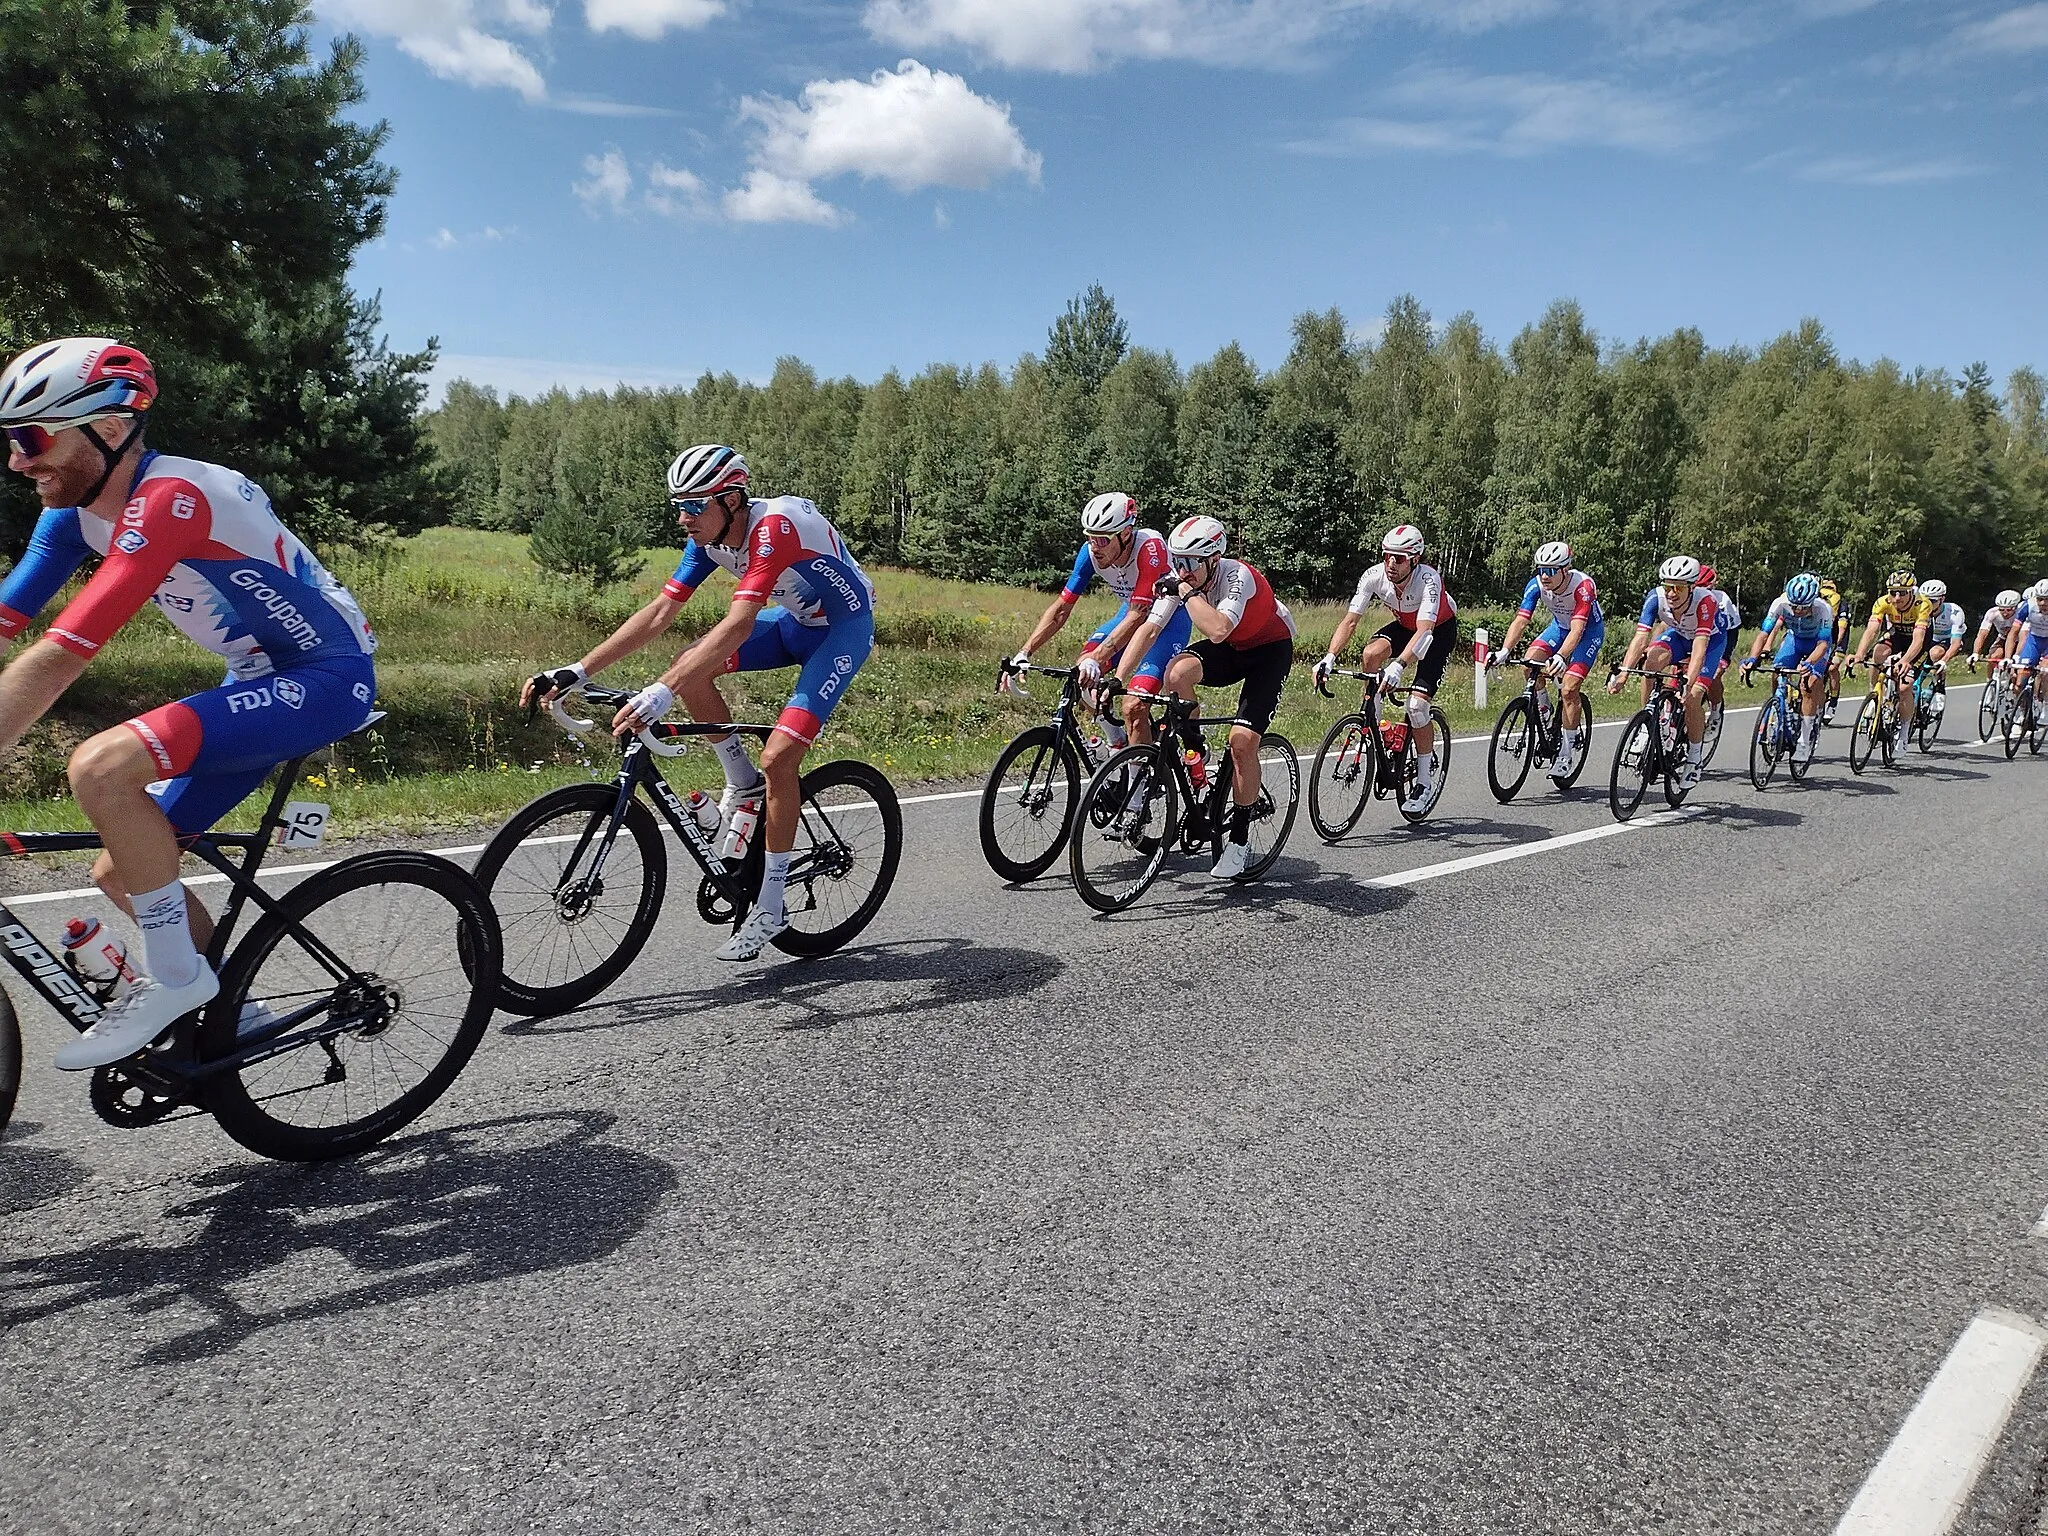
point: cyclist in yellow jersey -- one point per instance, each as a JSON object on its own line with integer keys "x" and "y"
{"x": 1904, "y": 616}
{"x": 1832, "y": 596}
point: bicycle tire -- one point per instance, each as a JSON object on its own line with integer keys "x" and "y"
{"x": 1674, "y": 759}
{"x": 1267, "y": 809}
{"x": 562, "y": 945}
{"x": 1634, "y": 765}
{"x": 1831, "y": 700}
{"x": 1863, "y": 736}
{"x": 1764, "y": 746}
{"x": 1117, "y": 883}
{"x": 1571, "y": 780}
{"x": 1351, "y": 772}
{"x": 1710, "y": 731}
{"x": 10, "y": 1059}
{"x": 849, "y": 821}
{"x": 1927, "y": 724}
{"x": 436, "y": 1040}
{"x": 1409, "y": 757}
{"x": 1888, "y": 734}
{"x": 1516, "y": 729}
{"x": 1987, "y": 714}
{"x": 1800, "y": 763}
{"x": 1049, "y": 751}
{"x": 2018, "y": 713}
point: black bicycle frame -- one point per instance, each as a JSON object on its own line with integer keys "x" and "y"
{"x": 638, "y": 771}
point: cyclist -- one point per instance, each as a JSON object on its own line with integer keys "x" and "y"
{"x": 821, "y": 619}
{"x": 1832, "y": 596}
{"x": 1131, "y": 561}
{"x": 1680, "y": 611}
{"x": 202, "y": 543}
{"x": 1997, "y": 625}
{"x": 1421, "y": 634}
{"x": 2028, "y": 643}
{"x": 1729, "y": 620}
{"x": 1948, "y": 629}
{"x": 1809, "y": 624}
{"x": 1569, "y": 644}
{"x": 1247, "y": 637}
{"x": 1904, "y": 616}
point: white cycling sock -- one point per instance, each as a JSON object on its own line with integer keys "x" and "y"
{"x": 167, "y": 935}
{"x": 732, "y": 757}
{"x": 774, "y": 875}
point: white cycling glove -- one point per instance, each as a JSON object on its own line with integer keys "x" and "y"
{"x": 1555, "y": 664}
{"x": 1089, "y": 670}
{"x": 557, "y": 680}
{"x": 1391, "y": 675}
{"x": 1325, "y": 667}
{"x": 651, "y": 703}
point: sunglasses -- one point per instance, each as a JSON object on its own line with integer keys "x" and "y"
{"x": 1390, "y": 557}
{"x": 692, "y": 507}
{"x": 30, "y": 442}
{"x": 1552, "y": 570}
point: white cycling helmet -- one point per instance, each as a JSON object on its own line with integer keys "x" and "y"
{"x": 70, "y": 382}
{"x": 2039, "y": 591}
{"x": 2009, "y": 598}
{"x": 1680, "y": 568}
{"x": 1554, "y": 556}
{"x": 1197, "y": 538}
{"x": 1934, "y": 591}
{"x": 1403, "y": 539}
{"x": 1109, "y": 514}
{"x": 704, "y": 471}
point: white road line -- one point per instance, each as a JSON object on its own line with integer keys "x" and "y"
{"x": 1522, "y": 850}
{"x": 2040, "y": 1227}
{"x": 1925, "y": 1477}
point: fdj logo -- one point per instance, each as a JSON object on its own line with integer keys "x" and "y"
{"x": 130, "y": 541}
{"x": 289, "y": 691}
{"x": 284, "y": 690}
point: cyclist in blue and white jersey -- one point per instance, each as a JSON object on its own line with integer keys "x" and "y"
{"x": 1948, "y": 629}
{"x": 1995, "y": 627}
{"x": 1131, "y": 562}
{"x": 2027, "y": 644}
{"x": 1808, "y": 620}
{"x": 1680, "y": 627}
{"x": 1569, "y": 644}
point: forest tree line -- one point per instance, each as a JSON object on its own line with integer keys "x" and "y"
{"x": 1762, "y": 462}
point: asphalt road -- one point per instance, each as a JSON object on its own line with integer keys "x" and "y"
{"x": 1639, "y": 1184}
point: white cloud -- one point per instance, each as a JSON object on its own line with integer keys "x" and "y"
{"x": 675, "y": 192}
{"x": 1451, "y": 112}
{"x": 606, "y": 182}
{"x": 2017, "y": 31}
{"x": 456, "y": 39}
{"x": 911, "y": 127}
{"x": 764, "y": 197}
{"x": 1867, "y": 171}
{"x": 445, "y": 239}
{"x": 649, "y": 19}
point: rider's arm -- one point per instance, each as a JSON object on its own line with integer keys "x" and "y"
{"x": 642, "y": 628}
{"x": 1429, "y": 611}
{"x": 1916, "y": 645}
{"x": 1118, "y": 640}
{"x": 1133, "y": 654}
{"x": 31, "y": 683}
{"x": 1215, "y": 623}
{"x": 1347, "y": 625}
{"x": 55, "y": 550}
{"x": 1062, "y": 607}
{"x": 1869, "y": 634}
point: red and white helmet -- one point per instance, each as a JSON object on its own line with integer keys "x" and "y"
{"x": 1404, "y": 539}
{"x": 1197, "y": 538}
{"x": 1109, "y": 514}
{"x": 70, "y": 382}
{"x": 704, "y": 471}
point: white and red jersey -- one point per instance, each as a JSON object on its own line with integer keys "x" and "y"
{"x": 1139, "y": 574}
{"x": 791, "y": 555}
{"x": 1699, "y": 616}
{"x": 1573, "y": 599}
{"x": 202, "y": 543}
{"x": 1421, "y": 599}
{"x": 1242, "y": 595}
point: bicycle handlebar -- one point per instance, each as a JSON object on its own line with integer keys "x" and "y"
{"x": 615, "y": 697}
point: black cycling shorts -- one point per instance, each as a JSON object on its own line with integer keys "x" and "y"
{"x": 1429, "y": 672}
{"x": 1262, "y": 670}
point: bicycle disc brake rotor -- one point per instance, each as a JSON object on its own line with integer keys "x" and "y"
{"x": 574, "y": 901}
{"x": 368, "y": 1003}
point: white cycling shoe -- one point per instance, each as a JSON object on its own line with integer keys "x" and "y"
{"x": 754, "y": 935}
{"x": 1237, "y": 858}
{"x": 145, "y": 1011}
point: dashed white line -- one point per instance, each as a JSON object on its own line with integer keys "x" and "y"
{"x": 1925, "y": 1477}
{"x": 1522, "y": 850}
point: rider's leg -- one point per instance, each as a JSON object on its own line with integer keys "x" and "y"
{"x": 1137, "y": 719}
{"x": 1182, "y": 674}
{"x": 115, "y": 889}
{"x": 1244, "y": 767}
{"x": 768, "y": 647}
{"x": 108, "y": 778}
{"x": 1655, "y": 659}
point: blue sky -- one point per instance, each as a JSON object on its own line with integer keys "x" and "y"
{"x": 641, "y": 189}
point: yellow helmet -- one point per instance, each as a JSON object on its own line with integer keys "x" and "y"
{"x": 1901, "y": 580}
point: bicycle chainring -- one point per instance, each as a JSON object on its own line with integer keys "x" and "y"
{"x": 123, "y": 1099}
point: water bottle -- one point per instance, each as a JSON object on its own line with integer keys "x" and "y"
{"x": 1545, "y": 709}
{"x": 1198, "y": 768}
{"x": 740, "y": 833}
{"x": 703, "y": 810}
{"x": 96, "y": 957}
{"x": 1096, "y": 749}
{"x": 1395, "y": 736}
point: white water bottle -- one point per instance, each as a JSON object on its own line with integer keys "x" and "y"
{"x": 739, "y": 834}
{"x": 703, "y": 810}
{"x": 96, "y": 957}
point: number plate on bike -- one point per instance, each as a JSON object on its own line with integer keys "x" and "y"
{"x": 305, "y": 823}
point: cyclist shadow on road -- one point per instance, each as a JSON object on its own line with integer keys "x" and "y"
{"x": 1742, "y": 815}
{"x": 32, "y": 1176}
{"x": 453, "y": 1207}
{"x": 828, "y": 990}
{"x": 1482, "y": 831}
{"x": 1290, "y": 883}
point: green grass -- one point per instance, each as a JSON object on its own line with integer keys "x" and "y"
{"x": 463, "y": 616}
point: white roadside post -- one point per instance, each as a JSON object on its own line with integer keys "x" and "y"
{"x": 1479, "y": 653}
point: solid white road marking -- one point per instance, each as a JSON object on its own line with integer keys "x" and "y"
{"x": 1523, "y": 850}
{"x": 1925, "y": 1477}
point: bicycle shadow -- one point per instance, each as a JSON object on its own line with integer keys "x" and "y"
{"x": 32, "y": 1176}
{"x": 951, "y": 970}
{"x": 1741, "y": 816}
{"x": 450, "y": 1208}
{"x": 1484, "y": 829}
{"x": 1291, "y": 882}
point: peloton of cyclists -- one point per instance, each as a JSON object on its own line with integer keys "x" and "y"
{"x": 1569, "y": 643}
{"x": 2027, "y": 643}
{"x": 1808, "y": 620}
{"x": 1680, "y": 626}
{"x": 1904, "y": 616}
{"x": 1421, "y": 634}
{"x": 1131, "y": 561}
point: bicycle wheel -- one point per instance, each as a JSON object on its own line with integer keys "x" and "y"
{"x": 1129, "y": 816}
{"x": 1927, "y": 722}
{"x": 1441, "y": 752}
{"x": 10, "y": 1059}
{"x": 1888, "y": 733}
{"x": 569, "y": 934}
{"x": 1863, "y": 735}
{"x": 1987, "y": 712}
{"x": 2019, "y": 710}
{"x": 1273, "y": 812}
{"x": 1672, "y": 754}
{"x": 367, "y": 951}
{"x": 1717, "y": 711}
{"x": 1512, "y": 749}
{"x": 1831, "y": 701}
{"x": 1764, "y": 744}
{"x": 1571, "y": 779}
{"x": 1027, "y": 807}
{"x": 1340, "y": 783}
{"x": 1635, "y": 764}
{"x": 849, "y": 840}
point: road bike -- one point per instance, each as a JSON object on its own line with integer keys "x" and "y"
{"x": 1365, "y": 758}
{"x": 577, "y": 900}
{"x": 1930, "y": 702}
{"x": 1776, "y": 737}
{"x": 1652, "y": 745}
{"x": 1877, "y": 719}
{"x": 1995, "y": 701}
{"x": 2021, "y": 725}
{"x": 351, "y": 1004}
{"x": 1831, "y": 700}
{"x": 1530, "y": 731}
{"x": 1145, "y": 801}
{"x": 1027, "y": 806}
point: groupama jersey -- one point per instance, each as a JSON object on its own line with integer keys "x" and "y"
{"x": 791, "y": 556}
{"x": 1726, "y": 615}
{"x": 1575, "y": 598}
{"x": 1818, "y": 620}
{"x": 1242, "y": 595}
{"x": 1701, "y": 614}
{"x": 1139, "y": 573}
{"x": 203, "y": 544}
{"x": 2033, "y": 615}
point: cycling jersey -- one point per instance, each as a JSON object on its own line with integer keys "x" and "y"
{"x": 1701, "y": 612}
{"x": 1909, "y": 614}
{"x": 1139, "y": 574}
{"x": 1949, "y": 626}
{"x": 203, "y": 544}
{"x": 1575, "y": 598}
{"x": 1997, "y": 621}
{"x": 2035, "y": 617}
{"x": 1242, "y": 595}
{"x": 791, "y": 556}
{"x": 1421, "y": 599}
{"x": 1818, "y": 620}
{"x": 1727, "y": 616}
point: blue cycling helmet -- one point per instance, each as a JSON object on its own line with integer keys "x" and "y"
{"x": 1802, "y": 590}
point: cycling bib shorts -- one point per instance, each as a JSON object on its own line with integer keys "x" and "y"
{"x": 1793, "y": 651}
{"x": 1173, "y": 639}
{"x": 1680, "y": 647}
{"x": 1581, "y": 661}
{"x": 828, "y": 654}
{"x": 1429, "y": 672}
